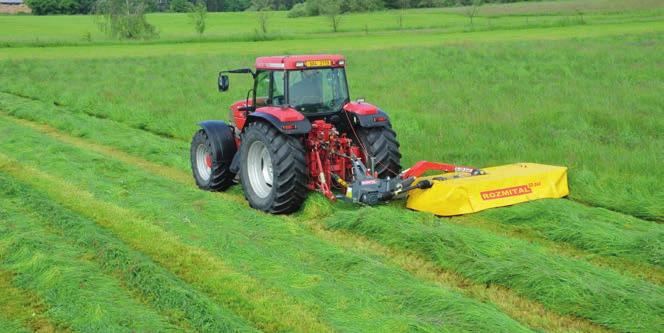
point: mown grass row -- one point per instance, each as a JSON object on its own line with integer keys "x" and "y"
{"x": 266, "y": 308}
{"x": 594, "y": 230}
{"x": 335, "y": 283}
{"x": 563, "y": 284}
{"x": 182, "y": 304}
{"x": 20, "y": 310}
{"x": 622, "y": 265}
{"x": 528, "y": 311}
{"x": 525, "y": 259}
{"x": 74, "y": 289}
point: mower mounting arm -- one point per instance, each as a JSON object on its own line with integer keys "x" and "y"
{"x": 423, "y": 166}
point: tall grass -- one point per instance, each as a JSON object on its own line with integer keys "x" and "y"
{"x": 563, "y": 284}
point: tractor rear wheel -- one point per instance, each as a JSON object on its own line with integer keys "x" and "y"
{"x": 273, "y": 169}
{"x": 211, "y": 160}
{"x": 381, "y": 144}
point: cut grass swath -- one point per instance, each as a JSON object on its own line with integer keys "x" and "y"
{"x": 20, "y": 310}
{"x": 648, "y": 272}
{"x": 323, "y": 276}
{"x": 565, "y": 285}
{"x": 596, "y": 230}
{"x": 77, "y": 293}
{"x": 265, "y": 308}
{"x": 527, "y": 311}
{"x": 165, "y": 292}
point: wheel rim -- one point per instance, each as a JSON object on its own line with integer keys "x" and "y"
{"x": 203, "y": 162}
{"x": 259, "y": 169}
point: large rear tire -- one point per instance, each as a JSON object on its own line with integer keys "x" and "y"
{"x": 382, "y": 144}
{"x": 273, "y": 169}
{"x": 211, "y": 160}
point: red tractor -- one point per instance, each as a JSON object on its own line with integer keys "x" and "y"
{"x": 298, "y": 130}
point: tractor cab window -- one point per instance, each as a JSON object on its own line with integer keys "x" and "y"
{"x": 262, "y": 88}
{"x": 270, "y": 88}
{"x": 278, "y": 97}
{"x": 317, "y": 90}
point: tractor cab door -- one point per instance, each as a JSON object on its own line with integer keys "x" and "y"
{"x": 269, "y": 89}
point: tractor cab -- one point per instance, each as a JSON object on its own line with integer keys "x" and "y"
{"x": 312, "y": 85}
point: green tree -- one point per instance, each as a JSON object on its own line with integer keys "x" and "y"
{"x": 49, "y": 7}
{"x": 124, "y": 19}
{"x": 472, "y": 10}
{"x": 403, "y": 4}
{"x": 332, "y": 9}
{"x": 262, "y": 8}
{"x": 197, "y": 15}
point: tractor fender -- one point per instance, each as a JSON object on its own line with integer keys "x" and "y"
{"x": 286, "y": 126}
{"x": 366, "y": 115}
{"x": 223, "y": 140}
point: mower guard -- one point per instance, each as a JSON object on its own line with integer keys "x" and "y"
{"x": 499, "y": 186}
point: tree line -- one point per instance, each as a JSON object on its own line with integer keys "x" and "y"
{"x": 296, "y": 7}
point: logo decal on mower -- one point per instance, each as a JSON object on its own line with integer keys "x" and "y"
{"x": 506, "y": 192}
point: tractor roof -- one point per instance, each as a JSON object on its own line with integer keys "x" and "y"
{"x": 300, "y": 61}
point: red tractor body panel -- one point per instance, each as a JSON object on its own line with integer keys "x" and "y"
{"x": 362, "y": 109}
{"x": 284, "y": 114}
{"x": 300, "y": 61}
{"x": 240, "y": 117}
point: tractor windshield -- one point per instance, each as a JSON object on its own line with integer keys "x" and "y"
{"x": 321, "y": 90}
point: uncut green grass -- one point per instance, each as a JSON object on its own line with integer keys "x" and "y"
{"x": 349, "y": 290}
{"x": 22, "y": 30}
{"x": 73, "y": 288}
{"x": 593, "y": 105}
{"x": 182, "y": 304}
{"x": 565, "y": 285}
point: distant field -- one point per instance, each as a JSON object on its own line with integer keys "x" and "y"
{"x": 102, "y": 227}
{"x": 34, "y": 30}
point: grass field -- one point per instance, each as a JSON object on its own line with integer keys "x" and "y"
{"x": 102, "y": 227}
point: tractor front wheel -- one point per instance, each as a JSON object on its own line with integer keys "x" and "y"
{"x": 381, "y": 144}
{"x": 273, "y": 169}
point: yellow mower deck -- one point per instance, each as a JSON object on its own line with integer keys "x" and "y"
{"x": 500, "y": 186}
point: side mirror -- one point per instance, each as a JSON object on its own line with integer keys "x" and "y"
{"x": 223, "y": 82}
